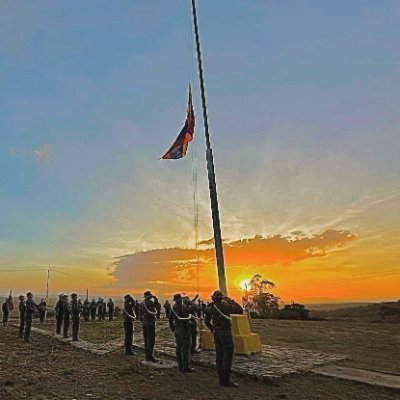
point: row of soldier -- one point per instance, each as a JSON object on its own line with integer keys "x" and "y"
{"x": 182, "y": 317}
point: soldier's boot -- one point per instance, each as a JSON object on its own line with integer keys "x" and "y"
{"x": 129, "y": 352}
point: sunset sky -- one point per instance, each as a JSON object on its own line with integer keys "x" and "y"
{"x": 304, "y": 100}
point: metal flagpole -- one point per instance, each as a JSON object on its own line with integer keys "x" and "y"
{"x": 210, "y": 167}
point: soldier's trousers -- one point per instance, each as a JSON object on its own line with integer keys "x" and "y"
{"x": 42, "y": 314}
{"x": 59, "y": 321}
{"x": 93, "y": 314}
{"x": 110, "y": 315}
{"x": 75, "y": 328}
{"x": 149, "y": 336}
{"x": 66, "y": 326}
{"x": 5, "y": 318}
{"x": 224, "y": 354}
{"x": 28, "y": 327}
{"x": 193, "y": 332}
{"x": 21, "y": 325}
{"x": 183, "y": 341}
{"x": 128, "y": 340}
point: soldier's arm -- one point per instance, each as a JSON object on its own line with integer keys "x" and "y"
{"x": 236, "y": 308}
{"x": 171, "y": 321}
{"x": 208, "y": 318}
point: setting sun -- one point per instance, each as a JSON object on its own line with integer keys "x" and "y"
{"x": 244, "y": 284}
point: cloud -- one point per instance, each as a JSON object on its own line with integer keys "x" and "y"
{"x": 168, "y": 270}
{"x": 40, "y": 154}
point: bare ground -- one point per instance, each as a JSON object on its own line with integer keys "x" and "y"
{"x": 48, "y": 369}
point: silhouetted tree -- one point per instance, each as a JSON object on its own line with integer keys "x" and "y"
{"x": 259, "y": 299}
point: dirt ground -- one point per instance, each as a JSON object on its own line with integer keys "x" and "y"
{"x": 368, "y": 346}
{"x": 49, "y": 369}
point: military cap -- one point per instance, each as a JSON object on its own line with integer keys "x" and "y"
{"x": 74, "y": 295}
{"x": 147, "y": 294}
{"x": 21, "y": 296}
{"x": 127, "y": 297}
{"x": 217, "y": 294}
{"x": 29, "y": 294}
{"x": 177, "y": 296}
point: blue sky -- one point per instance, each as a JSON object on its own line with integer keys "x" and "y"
{"x": 303, "y": 103}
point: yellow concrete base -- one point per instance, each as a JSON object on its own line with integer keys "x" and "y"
{"x": 245, "y": 342}
{"x": 206, "y": 340}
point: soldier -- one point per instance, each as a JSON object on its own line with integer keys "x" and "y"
{"x": 59, "y": 313}
{"x": 129, "y": 318}
{"x": 42, "y": 310}
{"x": 22, "y": 310}
{"x": 103, "y": 309}
{"x": 110, "y": 306}
{"x": 219, "y": 322}
{"x": 99, "y": 309}
{"x": 6, "y": 312}
{"x": 179, "y": 322}
{"x": 86, "y": 309}
{"x": 66, "y": 315}
{"x": 76, "y": 309}
{"x": 30, "y": 310}
{"x": 93, "y": 307}
{"x": 167, "y": 308}
{"x": 149, "y": 311}
{"x": 193, "y": 323}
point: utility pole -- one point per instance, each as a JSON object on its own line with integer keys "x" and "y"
{"x": 47, "y": 283}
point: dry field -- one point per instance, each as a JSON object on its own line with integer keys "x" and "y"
{"x": 48, "y": 369}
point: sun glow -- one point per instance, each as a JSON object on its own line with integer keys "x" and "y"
{"x": 244, "y": 284}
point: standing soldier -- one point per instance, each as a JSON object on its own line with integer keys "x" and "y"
{"x": 66, "y": 315}
{"x": 179, "y": 322}
{"x": 99, "y": 309}
{"x": 42, "y": 310}
{"x": 7, "y": 307}
{"x": 111, "y": 306}
{"x": 22, "y": 310}
{"x": 30, "y": 310}
{"x": 86, "y": 309}
{"x": 149, "y": 311}
{"x": 219, "y": 322}
{"x": 59, "y": 313}
{"x": 93, "y": 308}
{"x": 167, "y": 308}
{"x": 193, "y": 323}
{"x": 6, "y": 312}
{"x": 76, "y": 309}
{"x": 129, "y": 318}
{"x": 103, "y": 309}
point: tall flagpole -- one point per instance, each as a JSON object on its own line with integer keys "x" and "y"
{"x": 210, "y": 167}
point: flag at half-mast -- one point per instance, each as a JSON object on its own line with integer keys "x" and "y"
{"x": 180, "y": 146}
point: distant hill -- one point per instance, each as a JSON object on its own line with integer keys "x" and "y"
{"x": 361, "y": 312}
{"x": 335, "y": 306}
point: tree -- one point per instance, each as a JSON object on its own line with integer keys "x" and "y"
{"x": 259, "y": 299}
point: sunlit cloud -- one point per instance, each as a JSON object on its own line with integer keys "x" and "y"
{"x": 178, "y": 268}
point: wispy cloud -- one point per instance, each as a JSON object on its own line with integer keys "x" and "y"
{"x": 40, "y": 154}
